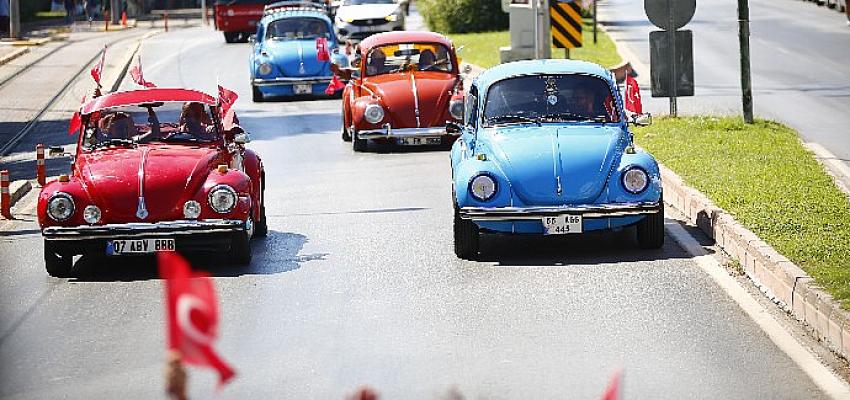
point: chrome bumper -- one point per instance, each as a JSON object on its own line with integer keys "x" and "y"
{"x": 389, "y": 132}
{"x": 131, "y": 230}
{"x": 537, "y": 213}
{"x": 311, "y": 80}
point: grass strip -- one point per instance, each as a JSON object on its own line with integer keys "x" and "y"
{"x": 482, "y": 49}
{"x": 765, "y": 178}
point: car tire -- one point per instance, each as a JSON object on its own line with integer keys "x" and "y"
{"x": 358, "y": 144}
{"x": 650, "y": 230}
{"x": 466, "y": 237}
{"x": 57, "y": 264}
{"x": 346, "y": 137}
{"x": 256, "y": 94}
{"x": 231, "y": 37}
{"x": 262, "y": 227}
{"x": 240, "y": 249}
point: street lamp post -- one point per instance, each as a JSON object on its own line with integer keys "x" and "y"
{"x": 14, "y": 19}
{"x": 746, "y": 78}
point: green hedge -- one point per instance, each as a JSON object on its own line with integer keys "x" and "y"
{"x": 461, "y": 16}
{"x": 30, "y": 7}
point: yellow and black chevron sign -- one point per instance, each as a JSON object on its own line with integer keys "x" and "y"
{"x": 566, "y": 24}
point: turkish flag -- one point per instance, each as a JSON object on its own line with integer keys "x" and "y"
{"x": 322, "y": 53}
{"x": 76, "y": 124}
{"x": 192, "y": 310}
{"x": 97, "y": 70}
{"x": 138, "y": 78}
{"x": 334, "y": 86}
{"x": 633, "y": 101}
{"x": 612, "y": 392}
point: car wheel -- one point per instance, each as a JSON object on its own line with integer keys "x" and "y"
{"x": 231, "y": 37}
{"x": 359, "y": 144}
{"x": 346, "y": 137}
{"x": 261, "y": 229}
{"x": 240, "y": 248}
{"x": 650, "y": 230}
{"x": 57, "y": 264}
{"x": 256, "y": 94}
{"x": 466, "y": 237}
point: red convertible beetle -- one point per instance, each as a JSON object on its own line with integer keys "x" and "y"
{"x": 154, "y": 170}
{"x": 405, "y": 87}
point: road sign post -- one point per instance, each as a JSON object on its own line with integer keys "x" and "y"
{"x": 676, "y": 67}
{"x": 594, "y": 22}
{"x": 746, "y": 78}
{"x": 14, "y": 19}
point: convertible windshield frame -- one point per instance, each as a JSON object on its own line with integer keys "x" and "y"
{"x": 390, "y": 66}
{"x": 132, "y": 125}
{"x": 554, "y": 103}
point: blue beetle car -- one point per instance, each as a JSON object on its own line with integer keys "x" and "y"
{"x": 545, "y": 149}
{"x": 284, "y": 58}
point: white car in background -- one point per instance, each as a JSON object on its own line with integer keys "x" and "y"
{"x": 358, "y": 19}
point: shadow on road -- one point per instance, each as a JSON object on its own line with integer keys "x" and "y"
{"x": 587, "y": 249}
{"x": 276, "y": 253}
{"x": 269, "y": 126}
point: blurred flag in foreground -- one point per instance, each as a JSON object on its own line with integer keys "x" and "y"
{"x": 613, "y": 391}
{"x": 192, "y": 312}
{"x": 226, "y": 98}
{"x": 334, "y": 86}
{"x": 136, "y": 73}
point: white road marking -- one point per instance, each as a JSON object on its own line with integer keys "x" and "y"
{"x": 821, "y": 375}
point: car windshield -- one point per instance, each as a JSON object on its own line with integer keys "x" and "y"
{"x": 406, "y": 56}
{"x": 297, "y": 28}
{"x": 175, "y": 122}
{"x": 359, "y": 2}
{"x": 550, "y": 98}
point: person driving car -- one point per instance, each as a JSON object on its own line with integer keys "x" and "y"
{"x": 427, "y": 60}
{"x": 376, "y": 63}
{"x": 195, "y": 121}
{"x": 117, "y": 125}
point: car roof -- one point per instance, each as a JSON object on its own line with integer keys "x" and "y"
{"x": 402, "y": 37}
{"x": 284, "y": 13}
{"x": 152, "y": 95}
{"x": 540, "y": 67}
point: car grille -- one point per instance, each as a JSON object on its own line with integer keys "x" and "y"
{"x": 361, "y": 35}
{"x": 369, "y": 22}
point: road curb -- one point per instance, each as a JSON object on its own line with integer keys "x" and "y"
{"x": 18, "y": 189}
{"x": 13, "y": 55}
{"x": 778, "y": 277}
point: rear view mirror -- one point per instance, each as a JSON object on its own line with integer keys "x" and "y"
{"x": 644, "y": 119}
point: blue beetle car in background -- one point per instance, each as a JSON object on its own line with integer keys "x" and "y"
{"x": 545, "y": 149}
{"x": 284, "y": 58}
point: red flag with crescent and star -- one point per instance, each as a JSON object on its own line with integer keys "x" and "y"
{"x": 97, "y": 70}
{"x": 226, "y": 98}
{"x": 322, "y": 53}
{"x": 633, "y": 101}
{"x": 192, "y": 314}
{"x": 138, "y": 77}
{"x": 334, "y": 86}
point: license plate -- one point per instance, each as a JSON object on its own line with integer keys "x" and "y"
{"x": 302, "y": 89}
{"x": 562, "y": 224}
{"x": 415, "y": 141}
{"x": 138, "y": 246}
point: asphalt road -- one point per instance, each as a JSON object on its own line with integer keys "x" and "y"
{"x": 357, "y": 284}
{"x": 800, "y": 58}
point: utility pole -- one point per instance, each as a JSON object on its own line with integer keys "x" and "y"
{"x": 14, "y": 19}
{"x": 115, "y": 11}
{"x": 204, "y": 15}
{"x": 674, "y": 78}
{"x": 746, "y": 78}
{"x": 594, "y": 21}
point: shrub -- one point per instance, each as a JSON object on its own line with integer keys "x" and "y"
{"x": 461, "y": 16}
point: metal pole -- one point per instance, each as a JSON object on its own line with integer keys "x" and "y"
{"x": 115, "y": 11}
{"x": 594, "y": 21}
{"x": 534, "y": 6}
{"x": 204, "y": 12}
{"x": 671, "y": 4}
{"x": 14, "y": 19}
{"x": 546, "y": 32}
{"x": 746, "y": 78}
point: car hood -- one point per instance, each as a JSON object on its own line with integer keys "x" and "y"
{"x": 296, "y": 58}
{"x": 167, "y": 176}
{"x": 552, "y": 165}
{"x": 365, "y": 11}
{"x": 433, "y": 90}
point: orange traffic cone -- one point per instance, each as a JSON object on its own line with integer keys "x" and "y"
{"x": 124, "y": 19}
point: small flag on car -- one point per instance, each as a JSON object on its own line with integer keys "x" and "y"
{"x": 138, "y": 77}
{"x": 334, "y": 86}
{"x": 192, "y": 314}
{"x": 226, "y": 98}
{"x": 97, "y": 70}
{"x": 633, "y": 100}
{"x": 322, "y": 53}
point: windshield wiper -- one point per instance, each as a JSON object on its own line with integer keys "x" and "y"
{"x": 568, "y": 116}
{"x": 116, "y": 142}
{"x": 513, "y": 118}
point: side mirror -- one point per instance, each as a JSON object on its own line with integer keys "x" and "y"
{"x": 241, "y": 138}
{"x": 453, "y": 128}
{"x": 644, "y": 119}
{"x": 467, "y": 69}
{"x": 252, "y": 38}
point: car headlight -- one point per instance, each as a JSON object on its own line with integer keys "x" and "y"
{"x": 60, "y": 207}
{"x": 191, "y": 209}
{"x": 222, "y": 199}
{"x": 482, "y": 187}
{"x": 374, "y": 113}
{"x": 391, "y": 17}
{"x": 264, "y": 68}
{"x": 456, "y": 109}
{"x": 635, "y": 180}
{"x": 91, "y": 214}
